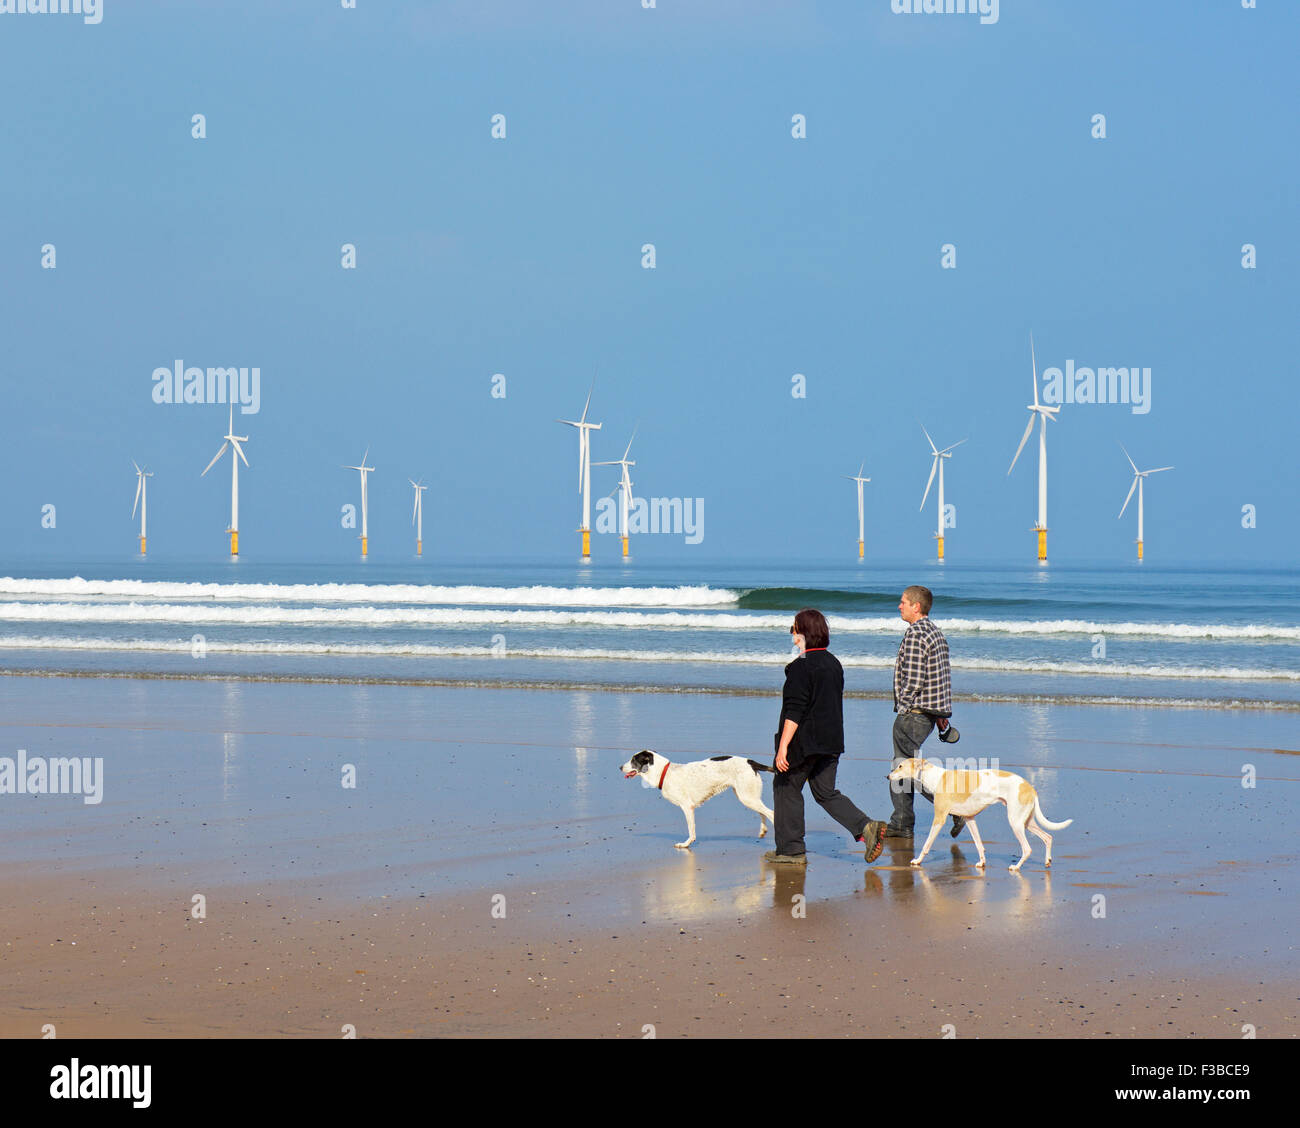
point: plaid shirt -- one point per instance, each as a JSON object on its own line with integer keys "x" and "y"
{"x": 921, "y": 676}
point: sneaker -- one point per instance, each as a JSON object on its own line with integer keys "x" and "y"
{"x": 898, "y": 832}
{"x": 957, "y": 823}
{"x": 873, "y": 838}
{"x": 786, "y": 859}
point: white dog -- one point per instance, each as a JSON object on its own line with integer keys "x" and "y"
{"x": 967, "y": 793}
{"x": 689, "y": 785}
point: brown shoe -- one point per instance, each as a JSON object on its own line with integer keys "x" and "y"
{"x": 873, "y": 838}
{"x": 786, "y": 859}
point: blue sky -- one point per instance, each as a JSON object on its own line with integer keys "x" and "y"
{"x": 774, "y": 256}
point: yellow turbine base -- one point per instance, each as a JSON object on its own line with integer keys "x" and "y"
{"x": 860, "y": 552}
{"x": 1139, "y": 550}
{"x": 419, "y": 548}
{"x": 365, "y": 546}
{"x": 586, "y": 542}
{"x": 1042, "y": 545}
{"x": 142, "y": 540}
{"x": 625, "y": 546}
{"x": 940, "y": 539}
{"x": 234, "y": 542}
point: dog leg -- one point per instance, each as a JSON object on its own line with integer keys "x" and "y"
{"x": 1047, "y": 839}
{"x": 934, "y": 830}
{"x": 690, "y": 829}
{"x": 975, "y": 834}
{"x": 1019, "y": 828}
{"x": 755, "y": 803}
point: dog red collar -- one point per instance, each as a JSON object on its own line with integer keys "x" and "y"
{"x": 662, "y": 774}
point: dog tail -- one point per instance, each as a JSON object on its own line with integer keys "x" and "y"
{"x": 760, "y": 767}
{"x": 1042, "y": 818}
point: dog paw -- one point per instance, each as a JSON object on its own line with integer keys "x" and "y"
{"x": 682, "y": 845}
{"x": 915, "y": 862}
{"x": 979, "y": 864}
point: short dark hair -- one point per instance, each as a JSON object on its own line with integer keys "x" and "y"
{"x": 812, "y": 625}
{"x": 921, "y": 595}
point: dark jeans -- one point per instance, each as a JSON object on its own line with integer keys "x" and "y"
{"x": 787, "y": 801}
{"x": 910, "y": 731}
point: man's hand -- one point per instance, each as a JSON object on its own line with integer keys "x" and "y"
{"x": 782, "y": 762}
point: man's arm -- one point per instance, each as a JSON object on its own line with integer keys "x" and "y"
{"x": 911, "y": 664}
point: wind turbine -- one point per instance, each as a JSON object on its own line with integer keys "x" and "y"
{"x": 624, "y": 488}
{"x": 1044, "y": 413}
{"x": 937, "y": 464}
{"x": 365, "y": 509}
{"x": 584, "y": 470}
{"x": 1138, "y": 476}
{"x": 141, "y": 499}
{"x": 233, "y": 441}
{"x": 861, "y": 530}
{"x": 417, "y": 516}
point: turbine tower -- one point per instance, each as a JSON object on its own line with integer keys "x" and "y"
{"x": 1138, "y": 476}
{"x": 861, "y": 528}
{"x": 624, "y": 489}
{"x": 584, "y": 470}
{"x": 365, "y": 509}
{"x": 937, "y": 464}
{"x": 237, "y": 452}
{"x": 141, "y": 500}
{"x": 417, "y": 516}
{"x": 1044, "y": 413}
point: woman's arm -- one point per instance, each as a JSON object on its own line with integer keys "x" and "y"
{"x": 787, "y": 735}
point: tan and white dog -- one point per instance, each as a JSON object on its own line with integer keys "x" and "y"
{"x": 689, "y": 785}
{"x": 967, "y": 793}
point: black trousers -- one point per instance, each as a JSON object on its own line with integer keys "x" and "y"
{"x": 787, "y": 802}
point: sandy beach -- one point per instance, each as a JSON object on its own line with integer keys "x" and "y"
{"x": 492, "y": 873}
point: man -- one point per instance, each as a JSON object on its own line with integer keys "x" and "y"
{"x": 922, "y": 700}
{"x": 809, "y": 746}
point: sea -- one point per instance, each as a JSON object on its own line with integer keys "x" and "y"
{"x": 1147, "y": 635}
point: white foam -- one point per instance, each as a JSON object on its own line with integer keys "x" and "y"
{"x": 344, "y": 612}
{"x": 700, "y": 595}
{"x": 416, "y": 650}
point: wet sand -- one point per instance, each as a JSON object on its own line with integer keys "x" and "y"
{"x": 493, "y": 874}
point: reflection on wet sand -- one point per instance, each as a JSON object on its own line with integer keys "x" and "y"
{"x": 696, "y": 887}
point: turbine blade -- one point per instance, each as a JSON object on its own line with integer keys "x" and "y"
{"x": 933, "y": 467}
{"x": 1023, "y": 439}
{"x": 629, "y": 442}
{"x": 240, "y": 451}
{"x": 928, "y": 439}
{"x": 1130, "y": 495}
{"x": 1033, "y": 364}
{"x": 211, "y": 464}
{"x": 1130, "y": 459}
{"x": 139, "y": 485}
{"x": 1158, "y": 469}
{"x": 954, "y": 445}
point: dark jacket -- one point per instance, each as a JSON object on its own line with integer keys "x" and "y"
{"x": 813, "y": 698}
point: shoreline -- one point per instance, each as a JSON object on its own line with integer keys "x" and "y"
{"x": 552, "y": 686}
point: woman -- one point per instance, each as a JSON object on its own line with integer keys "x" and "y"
{"x": 809, "y": 745}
